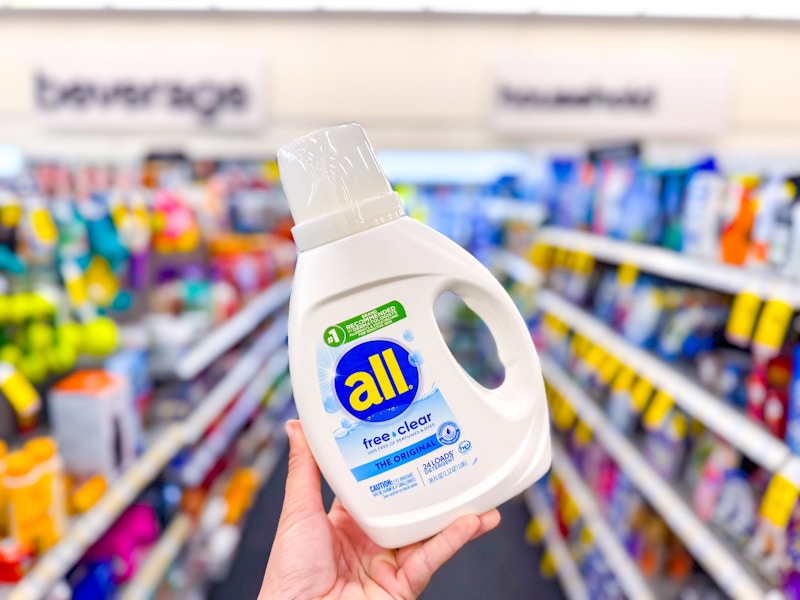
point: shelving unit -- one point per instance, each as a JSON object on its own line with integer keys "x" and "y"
{"x": 720, "y": 561}
{"x": 566, "y": 570}
{"x": 674, "y": 265}
{"x": 758, "y": 444}
{"x": 516, "y": 267}
{"x": 626, "y": 571}
{"x": 230, "y": 333}
{"x": 266, "y": 352}
{"x": 175, "y": 537}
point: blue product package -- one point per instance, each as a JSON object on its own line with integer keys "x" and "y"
{"x": 672, "y": 187}
{"x": 792, "y": 437}
{"x": 641, "y": 218}
{"x": 97, "y": 583}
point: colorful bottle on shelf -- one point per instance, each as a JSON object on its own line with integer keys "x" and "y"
{"x": 52, "y": 490}
{"x": 407, "y": 440}
{"x": 34, "y": 484}
{"x": 701, "y": 211}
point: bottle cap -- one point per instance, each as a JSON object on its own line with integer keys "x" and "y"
{"x": 335, "y": 186}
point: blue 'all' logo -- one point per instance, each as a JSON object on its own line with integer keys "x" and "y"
{"x": 376, "y": 381}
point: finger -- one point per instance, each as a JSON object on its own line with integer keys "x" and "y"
{"x": 489, "y": 520}
{"x": 423, "y": 562}
{"x": 303, "y": 491}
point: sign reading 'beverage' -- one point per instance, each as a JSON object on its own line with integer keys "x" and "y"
{"x": 78, "y": 92}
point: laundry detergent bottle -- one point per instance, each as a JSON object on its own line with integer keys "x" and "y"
{"x": 406, "y": 439}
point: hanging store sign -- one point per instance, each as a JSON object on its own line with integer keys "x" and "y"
{"x": 602, "y": 96}
{"x": 158, "y": 93}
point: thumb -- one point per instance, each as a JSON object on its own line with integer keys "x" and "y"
{"x": 303, "y": 492}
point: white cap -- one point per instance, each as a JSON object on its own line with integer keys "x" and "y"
{"x": 335, "y": 186}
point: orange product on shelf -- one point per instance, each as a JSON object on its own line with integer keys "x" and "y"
{"x": 239, "y": 494}
{"x": 24, "y": 511}
{"x": 53, "y": 497}
{"x": 34, "y": 483}
{"x": 193, "y": 500}
{"x": 88, "y": 493}
{"x": 679, "y": 561}
{"x": 739, "y": 214}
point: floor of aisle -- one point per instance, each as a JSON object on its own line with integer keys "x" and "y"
{"x": 500, "y": 565}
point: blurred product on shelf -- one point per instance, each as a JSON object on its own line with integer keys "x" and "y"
{"x": 736, "y": 218}
{"x": 15, "y": 560}
{"x": 685, "y": 277}
{"x": 681, "y": 325}
{"x": 95, "y": 423}
{"x": 638, "y": 333}
{"x": 86, "y": 250}
{"x": 125, "y": 544}
{"x": 34, "y": 486}
{"x": 109, "y": 278}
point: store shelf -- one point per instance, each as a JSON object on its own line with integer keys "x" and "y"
{"x": 232, "y": 331}
{"x": 147, "y": 580}
{"x": 618, "y": 560}
{"x": 674, "y": 265}
{"x": 567, "y": 571}
{"x": 516, "y": 267}
{"x": 210, "y": 449}
{"x": 758, "y": 444}
{"x": 88, "y": 528}
{"x": 721, "y": 562}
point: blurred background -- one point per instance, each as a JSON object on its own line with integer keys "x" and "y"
{"x": 629, "y": 171}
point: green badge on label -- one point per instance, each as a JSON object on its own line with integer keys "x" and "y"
{"x": 364, "y": 324}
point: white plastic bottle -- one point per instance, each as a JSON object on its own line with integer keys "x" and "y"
{"x": 407, "y": 440}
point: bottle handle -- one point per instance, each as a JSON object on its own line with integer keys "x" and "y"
{"x": 484, "y": 295}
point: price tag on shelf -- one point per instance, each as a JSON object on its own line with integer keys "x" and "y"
{"x": 609, "y": 369}
{"x": 627, "y": 274}
{"x": 657, "y": 412}
{"x": 534, "y": 532}
{"x": 679, "y": 426}
{"x": 586, "y": 536}
{"x": 596, "y": 358}
{"x": 560, "y": 257}
{"x": 564, "y": 416}
{"x": 580, "y": 345}
{"x": 569, "y": 510}
{"x": 541, "y": 256}
{"x": 549, "y": 565}
{"x": 640, "y": 394}
{"x": 624, "y": 379}
{"x": 582, "y": 433}
{"x": 779, "y": 501}
{"x": 742, "y": 319}
{"x": 771, "y": 329}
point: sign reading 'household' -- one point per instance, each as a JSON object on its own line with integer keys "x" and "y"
{"x": 611, "y": 96}
{"x": 156, "y": 93}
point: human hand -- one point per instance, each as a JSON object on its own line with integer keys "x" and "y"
{"x": 328, "y": 556}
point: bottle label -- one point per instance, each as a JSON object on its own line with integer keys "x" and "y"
{"x": 391, "y": 422}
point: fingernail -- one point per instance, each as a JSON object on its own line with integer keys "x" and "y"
{"x": 290, "y": 428}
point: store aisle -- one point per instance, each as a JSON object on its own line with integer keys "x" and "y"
{"x": 500, "y": 565}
